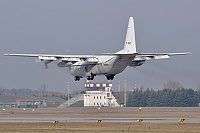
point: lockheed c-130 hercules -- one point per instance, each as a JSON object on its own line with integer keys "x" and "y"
{"x": 108, "y": 64}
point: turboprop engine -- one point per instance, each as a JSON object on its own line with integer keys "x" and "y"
{"x": 135, "y": 63}
{"x": 64, "y": 64}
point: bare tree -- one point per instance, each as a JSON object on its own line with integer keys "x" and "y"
{"x": 198, "y": 87}
{"x": 173, "y": 85}
{"x": 42, "y": 90}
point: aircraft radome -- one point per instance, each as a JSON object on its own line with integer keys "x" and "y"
{"x": 109, "y": 64}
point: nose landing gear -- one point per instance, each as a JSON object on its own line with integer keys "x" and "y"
{"x": 110, "y": 77}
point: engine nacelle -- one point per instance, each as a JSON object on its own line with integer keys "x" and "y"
{"x": 47, "y": 61}
{"x": 135, "y": 63}
{"x": 64, "y": 64}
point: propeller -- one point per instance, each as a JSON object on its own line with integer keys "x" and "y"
{"x": 37, "y": 60}
{"x": 46, "y": 66}
{"x": 46, "y": 62}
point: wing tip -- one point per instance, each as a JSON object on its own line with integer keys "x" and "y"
{"x": 6, "y": 54}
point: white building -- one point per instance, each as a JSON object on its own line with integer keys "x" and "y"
{"x": 100, "y": 98}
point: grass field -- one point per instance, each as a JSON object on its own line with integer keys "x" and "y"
{"x": 107, "y": 127}
{"x": 89, "y": 127}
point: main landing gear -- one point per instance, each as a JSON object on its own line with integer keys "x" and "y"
{"x": 91, "y": 77}
{"x": 110, "y": 77}
{"x": 77, "y": 78}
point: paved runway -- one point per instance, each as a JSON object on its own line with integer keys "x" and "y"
{"x": 148, "y": 114}
{"x": 148, "y": 120}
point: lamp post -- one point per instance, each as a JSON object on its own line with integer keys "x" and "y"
{"x": 68, "y": 95}
{"x": 119, "y": 86}
{"x": 125, "y": 93}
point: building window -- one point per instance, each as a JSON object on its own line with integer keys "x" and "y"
{"x": 94, "y": 103}
{"x": 104, "y": 97}
{"x": 100, "y": 97}
{"x": 97, "y": 97}
{"x": 108, "y": 94}
{"x": 100, "y": 103}
{"x": 94, "y": 97}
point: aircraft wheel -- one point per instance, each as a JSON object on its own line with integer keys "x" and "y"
{"x": 110, "y": 77}
{"x": 92, "y": 77}
{"x": 76, "y": 78}
{"x": 88, "y": 78}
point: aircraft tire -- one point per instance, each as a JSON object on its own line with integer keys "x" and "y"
{"x": 76, "y": 78}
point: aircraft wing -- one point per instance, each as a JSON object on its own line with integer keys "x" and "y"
{"x": 149, "y": 56}
{"x": 69, "y": 58}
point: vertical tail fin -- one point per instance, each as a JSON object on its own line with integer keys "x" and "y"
{"x": 130, "y": 44}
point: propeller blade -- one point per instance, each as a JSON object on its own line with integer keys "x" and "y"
{"x": 37, "y": 60}
{"x": 46, "y": 66}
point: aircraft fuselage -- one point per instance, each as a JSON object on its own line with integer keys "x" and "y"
{"x": 107, "y": 65}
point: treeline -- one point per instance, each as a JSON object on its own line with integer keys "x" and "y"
{"x": 164, "y": 98}
{"x": 36, "y": 93}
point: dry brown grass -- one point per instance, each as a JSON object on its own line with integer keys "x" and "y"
{"x": 89, "y": 127}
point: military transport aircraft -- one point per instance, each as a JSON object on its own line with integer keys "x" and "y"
{"x": 108, "y": 64}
